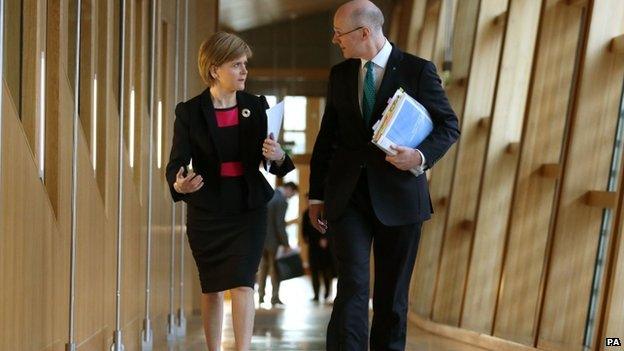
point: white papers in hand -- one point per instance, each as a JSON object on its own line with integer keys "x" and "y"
{"x": 275, "y": 115}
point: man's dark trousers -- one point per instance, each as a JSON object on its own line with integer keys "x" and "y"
{"x": 396, "y": 247}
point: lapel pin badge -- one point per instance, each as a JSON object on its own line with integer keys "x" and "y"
{"x": 246, "y": 112}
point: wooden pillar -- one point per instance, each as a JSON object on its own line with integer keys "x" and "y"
{"x": 499, "y": 171}
{"x": 427, "y": 261}
{"x": 517, "y": 315}
{"x": 586, "y": 167}
{"x": 459, "y": 228}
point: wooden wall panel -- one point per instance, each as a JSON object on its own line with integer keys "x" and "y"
{"x": 402, "y": 22}
{"x": 32, "y": 45}
{"x": 445, "y": 20}
{"x": 201, "y": 26}
{"x": 429, "y": 30}
{"x": 543, "y": 134}
{"x": 427, "y": 261}
{"x": 613, "y": 321}
{"x": 417, "y": 19}
{"x": 35, "y": 230}
{"x": 471, "y": 149}
{"x": 30, "y": 245}
{"x": 586, "y": 167}
{"x": 500, "y": 166}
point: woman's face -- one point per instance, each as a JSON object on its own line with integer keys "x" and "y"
{"x": 232, "y": 74}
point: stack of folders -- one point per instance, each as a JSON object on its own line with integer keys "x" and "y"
{"x": 404, "y": 122}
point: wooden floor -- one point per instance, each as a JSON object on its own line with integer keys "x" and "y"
{"x": 299, "y": 325}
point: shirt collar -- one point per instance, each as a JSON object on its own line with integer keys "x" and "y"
{"x": 382, "y": 57}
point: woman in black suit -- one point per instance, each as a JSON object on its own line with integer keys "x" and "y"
{"x": 224, "y": 132}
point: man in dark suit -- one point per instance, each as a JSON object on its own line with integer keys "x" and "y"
{"x": 276, "y": 236}
{"x": 370, "y": 198}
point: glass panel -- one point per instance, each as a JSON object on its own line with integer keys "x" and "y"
{"x": 86, "y": 85}
{"x": 292, "y": 212}
{"x": 295, "y": 142}
{"x": 72, "y": 6}
{"x": 293, "y": 204}
{"x": 12, "y": 70}
{"x": 605, "y": 229}
{"x": 292, "y": 231}
{"x": 116, "y": 51}
{"x": 295, "y": 113}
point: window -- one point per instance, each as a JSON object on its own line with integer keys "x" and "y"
{"x": 41, "y": 120}
{"x": 606, "y": 227}
{"x": 292, "y": 212}
{"x": 295, "y": 124}
{"x": 162, "y": 76}
{"x": 87, "y": 84}
{"x": 24, "y": 69}
{"x": 100, "y": 106}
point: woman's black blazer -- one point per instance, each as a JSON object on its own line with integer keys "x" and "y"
{"x": 194, "y": 133}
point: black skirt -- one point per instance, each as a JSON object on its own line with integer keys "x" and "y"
{"x": 227, "y": 247}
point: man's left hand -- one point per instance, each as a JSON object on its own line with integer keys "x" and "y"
{"x": 405, "y": 159}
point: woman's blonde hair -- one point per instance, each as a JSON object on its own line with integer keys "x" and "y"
{"x": 220, "y": 48}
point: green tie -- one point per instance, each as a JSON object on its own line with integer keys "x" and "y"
{"x": 368, "y": 96}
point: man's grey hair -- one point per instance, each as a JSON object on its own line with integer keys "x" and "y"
{"x": 369, "y": 16}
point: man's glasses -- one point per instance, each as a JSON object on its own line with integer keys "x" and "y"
{"x": 339, "y": 35}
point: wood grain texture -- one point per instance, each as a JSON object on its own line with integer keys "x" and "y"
{"x": 428, "y": 31}
{"x": 613, "y": 324}
{"x": 35, "y": 229}
{"x": 499, "y": 174}
{"x": 617, "y": 44}
{"x": 31, "y": 245}
{"x": 483, "y": 341}
{"x": 544, "y": 126}
{"x": 446, "y": 20}
{"x": 427, "y": 262}
{"x": 417, "y": 19}
{"x": 577, "y": 227}
{"x": 470, "y": 156}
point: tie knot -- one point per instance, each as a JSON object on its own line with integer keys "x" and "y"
{"x": 368, "y": 65}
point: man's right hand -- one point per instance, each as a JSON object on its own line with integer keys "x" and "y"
{"x": 317, "y": 217}
{"x": 189, "y": 184}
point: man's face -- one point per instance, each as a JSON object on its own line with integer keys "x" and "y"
{"x": 347, "y": 36}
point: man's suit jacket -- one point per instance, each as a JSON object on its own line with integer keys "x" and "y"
{"x": 194, "y": 135}
{"x": 276, "y": 226}
{"x": 343, "y": 148}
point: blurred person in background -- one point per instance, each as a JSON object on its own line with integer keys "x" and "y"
{"x": 276, "y": 236}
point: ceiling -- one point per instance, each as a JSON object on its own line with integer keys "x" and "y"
{"x": 241, "y": 15}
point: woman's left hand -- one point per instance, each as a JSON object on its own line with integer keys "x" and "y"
{"x": 271, "y": 150}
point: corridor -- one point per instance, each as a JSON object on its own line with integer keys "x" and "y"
{"x": 298, "y": 325}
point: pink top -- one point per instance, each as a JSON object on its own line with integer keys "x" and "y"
{"x": 227, "y": 117}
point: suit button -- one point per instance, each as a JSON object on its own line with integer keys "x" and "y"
{"x": 362, "y": 165}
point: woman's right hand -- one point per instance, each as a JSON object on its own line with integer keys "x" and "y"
{"x": 189, "y": 184}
